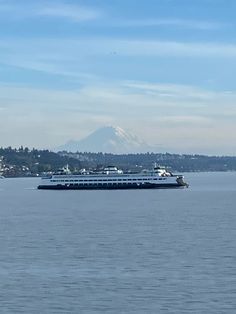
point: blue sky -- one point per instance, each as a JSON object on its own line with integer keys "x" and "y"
{"x": 162, "y": 69}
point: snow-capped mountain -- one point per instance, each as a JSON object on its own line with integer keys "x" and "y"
{"x": 108, "y": 140}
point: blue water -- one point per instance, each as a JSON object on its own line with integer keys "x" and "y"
{"x": 136, "y": 251}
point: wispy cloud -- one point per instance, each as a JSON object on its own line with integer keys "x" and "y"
{"x": 67, "y": 56}
{"x": 124, "y": 47}
{"x": 176, "y": 91}
{"x": 79, "y": 13}
{"x": 72, "y": 12}
{"x": 167, "y": 48}
{"x": 170, "y": 22}
{"x": 161, "y": 117}
{"x": 52, "y": 9}
{"x": 134, "y": 98}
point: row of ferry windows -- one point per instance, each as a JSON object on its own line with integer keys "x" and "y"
{"x": 106, "y": 180}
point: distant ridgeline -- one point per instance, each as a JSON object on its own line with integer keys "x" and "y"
{"x": 176, "y": 162}
{"x": 32, "y": 162}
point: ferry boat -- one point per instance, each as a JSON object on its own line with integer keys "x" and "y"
{"x": 112, "y": 178}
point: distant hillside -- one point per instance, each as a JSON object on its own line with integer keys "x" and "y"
{"x": 25, "y": 162}
{"x": 176, "y": 162}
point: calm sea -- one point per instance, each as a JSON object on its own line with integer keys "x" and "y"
{"x": 136, "y": 251}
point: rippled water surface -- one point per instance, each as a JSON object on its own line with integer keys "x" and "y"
{"x": 135, "y": 251}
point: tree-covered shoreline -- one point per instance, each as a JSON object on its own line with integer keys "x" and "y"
{"x": 23, "y": 161}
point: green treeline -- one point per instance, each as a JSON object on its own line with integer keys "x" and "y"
{"x": 25, "y": 162}
{"x": 30, "y": 162}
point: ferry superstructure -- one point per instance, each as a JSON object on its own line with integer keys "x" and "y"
{"x": 113, "y": 178}
{"x": 1, "y": 168}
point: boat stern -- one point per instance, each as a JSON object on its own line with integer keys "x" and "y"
{"x": 181, "y": 182}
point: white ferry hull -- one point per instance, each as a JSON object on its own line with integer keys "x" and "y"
{"x": 73, "y": 183}
{"x": 110, "y": 187}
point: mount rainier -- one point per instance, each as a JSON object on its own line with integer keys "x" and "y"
{"x": 108, "y": 140}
